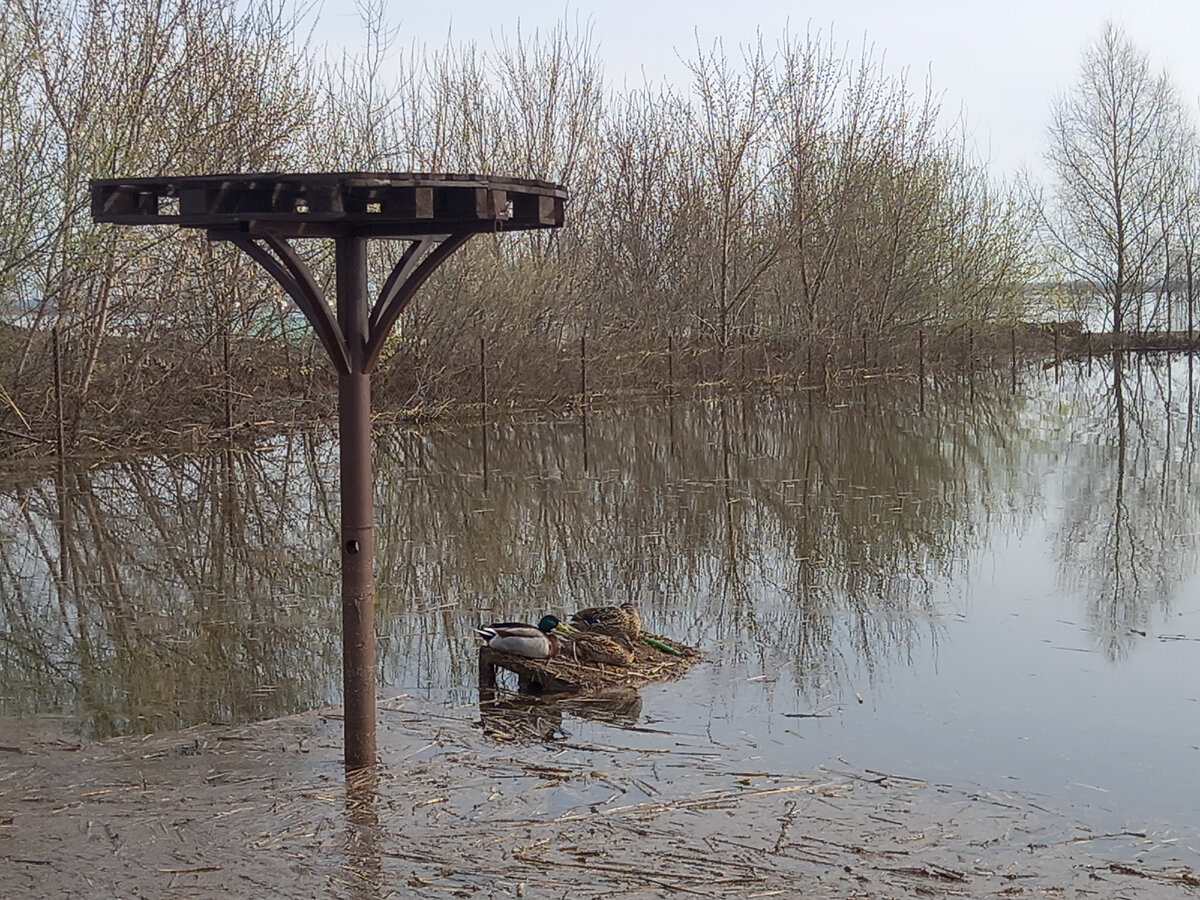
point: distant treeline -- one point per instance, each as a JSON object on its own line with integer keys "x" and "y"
{"x": 793, "y": 200}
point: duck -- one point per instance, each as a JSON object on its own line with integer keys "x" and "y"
{"x": 530, "y": 641}
{"x": 616, "y": 621}
{"x": 593, "y": 647}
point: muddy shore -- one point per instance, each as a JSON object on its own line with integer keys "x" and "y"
{"x": 265, "y": 810}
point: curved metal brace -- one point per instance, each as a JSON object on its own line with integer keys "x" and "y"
{"x": 403, "y": 268}
{"x": 295, "y": 277}
{"x": 406, "y": 277}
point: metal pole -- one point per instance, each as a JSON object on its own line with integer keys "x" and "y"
{"x": 921, "y": 366}
{"x": 670, "y": 366}
{"x": 583, "y": 369}
{"x": 583, "y": 410}
{"x": 228, "y": 382}
{"x": 483, "y": 407}
{"x": 358, "y": 575}
{"x": 1013, "y": 337}
{"x": 61, "y": 447}
{"x": 60, "y": 435}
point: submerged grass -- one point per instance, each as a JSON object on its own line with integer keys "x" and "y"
{"x": 449, "y": 812}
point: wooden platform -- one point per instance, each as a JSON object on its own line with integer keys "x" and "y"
{"x": 563, "y": 675}
{"x": 332, "y": 204}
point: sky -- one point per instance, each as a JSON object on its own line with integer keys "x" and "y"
{"x": 997, "y": 64}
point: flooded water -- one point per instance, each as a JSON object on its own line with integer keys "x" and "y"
{"x": 968, "y": 586}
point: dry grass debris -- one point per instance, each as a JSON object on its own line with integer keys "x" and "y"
{"x": 562, "y": 674}
{"x": 248, "y": 811}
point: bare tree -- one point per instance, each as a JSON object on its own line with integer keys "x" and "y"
{"x": 1114, "y": 146}
{"x": 732, "y": 168}
{"x": 779, "y": 196}
{"x": 1185, "y": 251}
{"x": 134, "y": 87}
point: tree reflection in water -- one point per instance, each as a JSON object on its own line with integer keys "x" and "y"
{"x": 792, "y": 535}
{"x": 1127, "y": 539}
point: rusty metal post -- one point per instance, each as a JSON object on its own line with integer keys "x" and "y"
{"x": 583, "y": 369}
{"x": 921, "y": 365}
{"x": 583, "y": 397}
{"x": 60, "y": 434}
{"x": 971, "y": 362}
{"x": 483, "y": 407}
{"x": 358, "y": 552}
{"x": 670, "y": 366}
{"x": 742, "y": 350}
{"x": 61, "y": 454}
{"x": 1013, "y": 337}
{"x": 228, "y": 386}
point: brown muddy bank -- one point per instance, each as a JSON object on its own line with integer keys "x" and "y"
{"x": 266, "y": 809}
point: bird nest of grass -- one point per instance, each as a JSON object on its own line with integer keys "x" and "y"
{"x": 562, "y": 674}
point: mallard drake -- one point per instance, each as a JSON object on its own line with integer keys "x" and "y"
{"x": 593, "y": 647}
{"x": 618, "y": 621}
{"x": 530, "y": 641}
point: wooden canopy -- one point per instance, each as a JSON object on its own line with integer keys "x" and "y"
{"x": 260, "y": 214}
{"x": 362, "y": 204}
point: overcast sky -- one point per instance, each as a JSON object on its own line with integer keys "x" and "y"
{"x": 999, "y": 61}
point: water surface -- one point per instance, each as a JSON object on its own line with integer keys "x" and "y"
{"x": 963, "y": 585}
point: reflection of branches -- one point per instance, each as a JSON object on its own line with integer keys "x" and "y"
{"x": 1137, "y": 483}
{"x": 732, "y": 592}
{"x": 173, "y": 609}
{"x": 794, "y": 534}
{"x": 788, "y": 537}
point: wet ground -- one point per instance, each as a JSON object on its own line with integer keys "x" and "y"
{"x": 993, "y": 597}
{"x": 264, "y": 810}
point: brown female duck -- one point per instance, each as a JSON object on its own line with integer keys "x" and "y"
{"x": 615, "y": 621}
{"x": 596, "y": 648}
